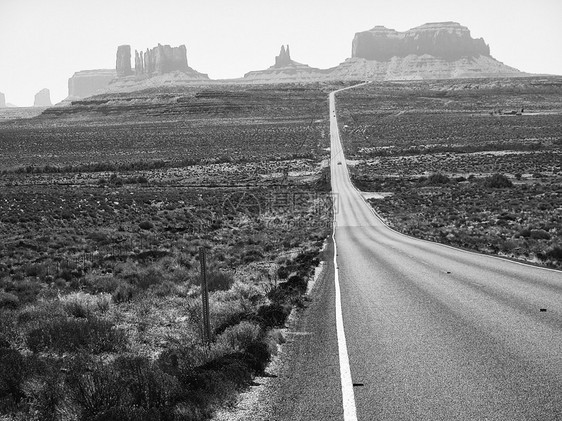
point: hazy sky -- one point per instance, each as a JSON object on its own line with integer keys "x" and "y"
{"x": 43, "y": 42}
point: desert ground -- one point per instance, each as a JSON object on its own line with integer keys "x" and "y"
{"x": 473, "y": 164}
{"x": 106, "y": 204}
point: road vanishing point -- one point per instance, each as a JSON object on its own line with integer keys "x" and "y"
{"x": 404, "y": 329}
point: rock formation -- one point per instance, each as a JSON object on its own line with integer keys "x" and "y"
{"x": 284, "y": 58}
{"x": 88, "y": 82}
{"x": 123, "y": 64}
{"x": 432, "y": 51}
{"x": 161, "y": 65}
{"x": 42, "y": 98}
{"x": 2, "y": 100}
{"x": 446, "y": 40}
{"x": 161, "y": 59}
{"x": 286, "y": 70}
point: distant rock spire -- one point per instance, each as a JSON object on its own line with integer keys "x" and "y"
{"x": 284, "y": 57}
{"x": 139, "y": 63}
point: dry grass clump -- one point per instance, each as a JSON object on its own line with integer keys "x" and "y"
{"x": 82, "y": 305}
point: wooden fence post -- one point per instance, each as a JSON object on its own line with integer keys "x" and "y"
{"x": 205, "y": 297}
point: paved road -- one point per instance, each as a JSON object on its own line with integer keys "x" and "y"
{"x": 435, "y": 333}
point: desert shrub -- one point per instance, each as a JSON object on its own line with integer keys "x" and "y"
{"x": 104, "y": 283}
{"x": 138, "y": 276}
{"x": 165, "y": 289}
{"x": 34, "y": 270}
{"x": 248, "y": 293}
{"x": 525, "y": 233}
{"x": 99, "y": 237}
{"x": 12, "y": 375}
{"x": 77, "y": 309}
{"x": 282, "y": 272}
{"x": 217, "y": 280}
{"x": 295, "y": 283}
{"x": 80, "y": 304}
{"x": 231, "y": 368}
{"x": 307, "y": 259}
{"x": 45, "y": 391}
{"x": 240, "y": 336}
{"x": 555, "y": 253}
{"x": 258, "y": 356}
{"x": 148, "y": 386}
{"x": 226, "y": 313}
{"x": 497, "y": 181}
{"x": 26, "y": 290}
{"x": 146, "y": 225}
{"x": 436, "y": 179}
{"x": 72, "y": 335}
{"x": 277, "y": 295}
{"x": 180, "y": 274}
{"x": 124, "y": 293}
{"x": 252, "y": 255}
{"x": 539, "y": 235}
{"x": 273, "y": 315}
{"x": 182, "y": 358}
{"x": 209, "y": 386}
{"x": 95, "y": 388}
{"x": 148, "y": 277}
{"x": 8, "y": 301}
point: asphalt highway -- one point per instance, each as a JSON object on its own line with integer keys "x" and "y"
{"x": 437, "y": 333}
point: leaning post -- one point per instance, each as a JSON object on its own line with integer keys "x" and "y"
{"x": 205, "y": 297}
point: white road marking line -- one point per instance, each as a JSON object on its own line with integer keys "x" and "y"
{"x": 348, "y": 397}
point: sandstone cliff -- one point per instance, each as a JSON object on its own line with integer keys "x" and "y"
{"x": 160, "y": 65}
{"x": 42, "y": 98}
{"x": 89, "y": 82}
{"x": 447, "y": 40}
{"x": 432, "y": 51}
{"x": 161, "y": 59}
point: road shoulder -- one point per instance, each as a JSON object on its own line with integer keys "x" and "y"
{"x": 302, "y": 382}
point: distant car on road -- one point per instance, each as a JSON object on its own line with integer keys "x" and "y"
{"x": 339, "y": 162}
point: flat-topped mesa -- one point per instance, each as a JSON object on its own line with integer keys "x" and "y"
{"x": 89, "y": 82}
{"x": 123, "y": 62}
{"x": 447, "y": 40}
{"x": 284, "y": 57}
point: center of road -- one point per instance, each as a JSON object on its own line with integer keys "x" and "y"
{"x": 336, "y": 155}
